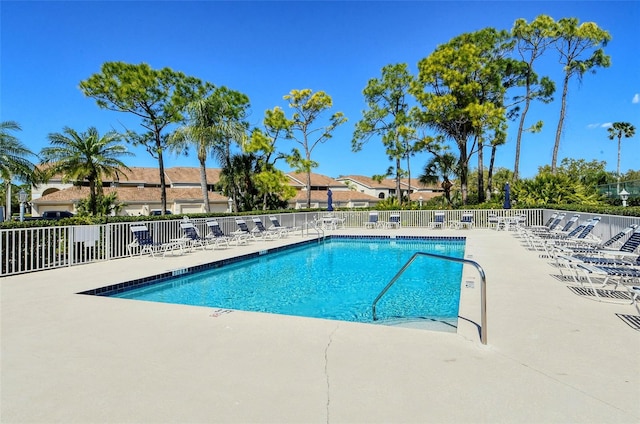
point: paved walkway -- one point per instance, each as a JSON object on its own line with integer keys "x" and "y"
{"x": 552, "y": 356}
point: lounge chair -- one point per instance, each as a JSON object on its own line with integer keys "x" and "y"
{"x": 495, "y": 222}
{"x": 143, "y": 240}
{"x": 578, "y": 234}
{"x": 285, "y": 230}
{"x": 393, "y": 222}
{"x": 373, "y": 221}
{"x": 624, "y": 256}
{"x": 243, "y": 230}
{"x": 260, "y": 230}
{"x": 549, "y": 226}
{"x": 466, "y": 221}
{"x": 567, "y": 226}
{"x": 438, "y": 220}
{"x": 617, "y": 237}
{"x": 593, "y": 247}
{"x": 191, "y": 237}
{"x": 219, "y": 238}
{"x": 599, "y": 276}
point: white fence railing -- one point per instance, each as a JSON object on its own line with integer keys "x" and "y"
{"x": 25, "y": 250}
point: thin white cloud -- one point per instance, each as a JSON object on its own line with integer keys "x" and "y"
{"x": 636, "y": 98}
{"x": 599, "y": 125}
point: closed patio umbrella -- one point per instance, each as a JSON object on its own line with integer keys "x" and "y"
{"x": 329, "y": 200}
{"x": 507, "y": 197}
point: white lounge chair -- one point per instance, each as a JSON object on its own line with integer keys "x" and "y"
{"x": 219, "y": 238}
{"x": 438, "y": 220}
{"x": 393, "y": 222}
{"x": 260, "y": 230}
{"x": 373, "y": 221}
{"x": 144, "y": 241}
{"x": 466, "y": 221}
{"x": 191, "y": 237}
{"x": 285, "y": 230}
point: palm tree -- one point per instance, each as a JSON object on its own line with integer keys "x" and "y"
{"x": 441, "y": 166}
{"x": 14, "y": 160}
{"x": 80, "y": 156}
{"x": 210, "y": 127}
{"x": 619, "y": 130}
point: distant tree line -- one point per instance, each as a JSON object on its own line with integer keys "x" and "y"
{"x": 457, "y": 106}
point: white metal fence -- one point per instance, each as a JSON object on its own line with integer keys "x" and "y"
{"x": 40, "y": 248}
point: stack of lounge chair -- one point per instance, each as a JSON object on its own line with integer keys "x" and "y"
{"x": 603, "y": 273}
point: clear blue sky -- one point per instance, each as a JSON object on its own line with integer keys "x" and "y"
{"x": 265, "y": 49}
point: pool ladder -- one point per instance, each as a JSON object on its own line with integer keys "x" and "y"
{"x": 314, "y": 225}
{"x": 483, "y": 287}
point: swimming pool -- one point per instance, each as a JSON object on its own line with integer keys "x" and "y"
{"x": 335, "y": 279}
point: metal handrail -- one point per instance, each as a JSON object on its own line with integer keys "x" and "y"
{"x": 483, "y": 287}
{"x": 314, "y": 225}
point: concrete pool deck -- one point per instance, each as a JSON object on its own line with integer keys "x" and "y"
{"x": 552, "y": 356}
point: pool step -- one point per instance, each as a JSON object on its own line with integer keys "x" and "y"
{"x": 433, "y": 324}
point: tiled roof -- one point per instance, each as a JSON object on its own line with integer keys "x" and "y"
{"x": 416, "y": 184}
{"x": 369, "y": 182}
{"x": 337, "y": 196}
{"x": 138, "y": 175}
{"x": 190, "y": 175}
{"x": 131, "y": 195}
{"x": 298, "y": 179}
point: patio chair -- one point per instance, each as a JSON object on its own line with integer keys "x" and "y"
{"x": 617, "y": 276}
{"x": 549, "y": 226}
{"x": 191, "y": 237}
{"x": 466, "y": 221}
{"x": 261, "y": 231}
{"x": 219, "y": 238}
{"x": 438, "y": 220}
{"x": 393, "y": 222}
{"x": 631, "y": 245}
{"x": 285, "y": 230}
{"x": 617, "y": 237}
{"x": 143, "y": 240}
{"x": 495, "y": 222}
{"x": 578, "y": 234}
{"x": 373, "y": 221}
{"x": 243, "y": 230}
{"x": 594, "y": 247}
{"x": 567, "y": 227}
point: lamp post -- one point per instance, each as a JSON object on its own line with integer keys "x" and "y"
{"x": 624, "y": 195}
{"x": 230, "y": 202}
{"x": 22, "y": 196}
{"x": 420, "y": 201}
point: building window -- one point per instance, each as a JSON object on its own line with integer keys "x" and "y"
{"x": 381, "y": 196}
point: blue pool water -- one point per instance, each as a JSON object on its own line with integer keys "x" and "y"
{"x": 337, "y": 279}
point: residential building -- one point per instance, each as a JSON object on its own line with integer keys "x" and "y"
{"x": 139, "y": 190}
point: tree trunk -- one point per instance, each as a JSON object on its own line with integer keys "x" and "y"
{"x": 481, "y": 196}
{"x": 494, "y": 148}
{"x": 203, "y": 185}
{"x": 446, "y": 186}
{"x": 163, "y": 182}
{"x": 398, "y": 187}
{"x": 464, "y": 170}
{"x": 563, "y": 108}
{"x": 92, "y": 196}
{"x": 7, "y": 213}
{"x": 516, "y": 167}
{"x": 308, "y": 181}
{"x": 408, "y": 176}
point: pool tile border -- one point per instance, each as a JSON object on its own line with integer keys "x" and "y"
{"x": 114, "y": 289}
